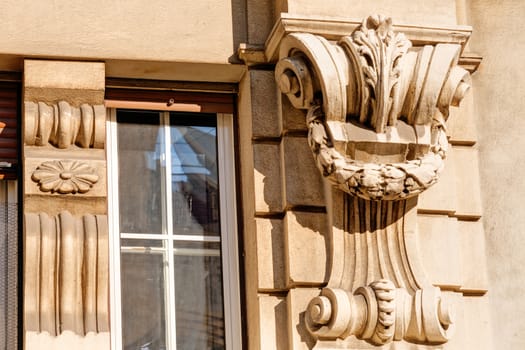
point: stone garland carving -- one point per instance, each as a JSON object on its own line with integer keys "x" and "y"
{"x": 65, "y": 273}
{"x": 370, "y": 180}
{"x": 63, "y": 125}
{"x": 376, "y": 112}
{"x": 65, "y": 177}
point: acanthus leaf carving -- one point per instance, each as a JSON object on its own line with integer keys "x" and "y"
{"x": 378, "y": 50}
{"x": 65, "y": 177}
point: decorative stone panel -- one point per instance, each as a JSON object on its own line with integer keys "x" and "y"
{"x": 66, "y": 273}
{"x": 63, "y": 125}
{"x": 66, "y": 263}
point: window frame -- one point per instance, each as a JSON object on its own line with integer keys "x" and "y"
{"x": 228, "y": 225}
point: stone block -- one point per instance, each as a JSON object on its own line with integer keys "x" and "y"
{"x": 74, "y": 82}
{"x": 297, "y": 301}
{"x": 273, "y": 322}
{"x": 303, "y": 181}
{"x": 260, "y": 20}
{"x": 477, "y": 324}
{"x": 267, "y": 178}
{"x": 246, "y": 148}
{"x": 467, "y": 182}
{"x": 441, "y": 197}
{"x": 266, "y": 117}
{"x": 473, "y": 256}
{"x": 293, "y": 119}
{"x": 461, "y": 125}
{"x": 270, "y": 254}
{"x": 306, "y": 247}
{"x": 440, "y": 250}
{"x": 66, "y": 340}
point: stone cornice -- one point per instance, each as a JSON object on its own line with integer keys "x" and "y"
{"x": 333, "y": 28}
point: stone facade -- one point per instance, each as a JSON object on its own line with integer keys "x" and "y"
{"x": 378, "y": 161}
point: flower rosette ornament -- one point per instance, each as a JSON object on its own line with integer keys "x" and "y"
{"x": 65, "y": 177}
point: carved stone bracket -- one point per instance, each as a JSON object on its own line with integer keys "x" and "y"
{"x": 376, "y": 108}
{"x": 63, "y": 125}
{"x": 372, "y": 96}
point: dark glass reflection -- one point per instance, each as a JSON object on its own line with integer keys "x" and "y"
{"x": 139, "y": 171}
{"x": 197, "y": 268}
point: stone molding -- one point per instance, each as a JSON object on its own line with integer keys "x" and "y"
{"x": 65, "y": 273}
{"x": 334, "y": 29}
{"x": 63, "y": 125}
{"x": 376, "y": 109}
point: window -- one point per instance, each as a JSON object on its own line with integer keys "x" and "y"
{"x": 9, "y": 240}
{"x": 10, "y": 237}
{"x": 174, "y": 262}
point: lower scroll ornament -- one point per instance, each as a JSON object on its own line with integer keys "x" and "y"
{"x": 376, "y": 112}
{"x": 378, "y": 291}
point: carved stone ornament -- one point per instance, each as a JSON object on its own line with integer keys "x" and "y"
{"x": 376, "y": 109}
{"x": 66, "y": 282}
{"x": 65, "y": 177}
{"x": 63, "y": 125}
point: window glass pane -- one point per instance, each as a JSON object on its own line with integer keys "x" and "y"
{"x": 198, "y": 291}
{"x": 143, "y": 299}
{"x": 195, "y": 197}
{"x": 172, "y": 289}
{"x": 139, "y": 152}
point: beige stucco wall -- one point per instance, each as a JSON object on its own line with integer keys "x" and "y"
{"x": 189, "y": 31}
{"x": 170, "y": 40}
{"x": 499, "y": 90}
{"x": 428, "y": 12}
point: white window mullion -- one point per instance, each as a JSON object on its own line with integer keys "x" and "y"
{"x": 114, "y": 240}
{"x": 229, "y": 244}
{"x": 171, "y": 327}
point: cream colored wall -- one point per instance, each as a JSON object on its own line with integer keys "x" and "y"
{"x": 157, "y": 30}
{"x": 428, "y": 12}
{"x": 499, "y": 90}
{"x": 169, "y": 40}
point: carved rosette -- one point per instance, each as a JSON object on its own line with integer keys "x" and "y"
{"x": 376, "y": 109}
{"x": 65, "y": 177}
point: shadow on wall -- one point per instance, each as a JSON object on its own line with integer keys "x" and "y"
{"x": 252, "y": 22}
